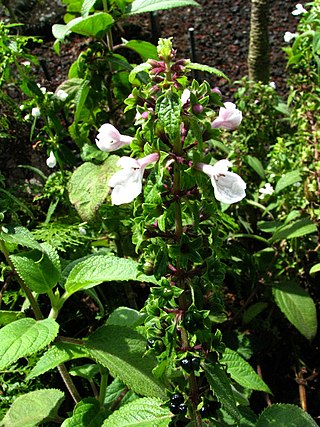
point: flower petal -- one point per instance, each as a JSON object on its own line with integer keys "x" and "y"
{"x": 229, "y": 187}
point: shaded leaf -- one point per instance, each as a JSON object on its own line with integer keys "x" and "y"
{"x": 289, "y": 178}
{"x": 86, "y": 413}
{"x": 284, "y": 415}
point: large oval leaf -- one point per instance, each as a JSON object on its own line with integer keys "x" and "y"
{"x": 298, "y": 307}
{"x": 140, "y": 6}
{"x": 284, "y": 416}
{"x": 24, "y": 337}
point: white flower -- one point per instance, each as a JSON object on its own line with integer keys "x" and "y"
{"x": 127, "y": 183}
{"x": 51, "y": 160}
{"x": 110, "y": 139}
{"x": 61, "y": 95}
{"x": 42, "y": 88}
{"x": 35, "y": 112}
{"x": 185, "y": 97}
{"x": 229, "y": 117}
{"x": 273, "y": 85}
{"x": 289, "y": 36}
{"x": 27, "y": 117}
{"x": 266, "y": 190}
{"x": 299, "y": 10}
{"x": 82, "y": 230}
{"x": 26, "y": 63}
{"x": 228, "y": 187}
{"x": 22, "y": 107}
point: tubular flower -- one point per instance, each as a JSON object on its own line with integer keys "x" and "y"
{"x": 229, "y": 117}
{"x": 289, "y": 36}
{"x": 228, "y": 186}
{"x": 51, "y": 160}
{"x": 127, "y": 183}
{"x": 299, "y": 10}
{"x": 110, "y": 139}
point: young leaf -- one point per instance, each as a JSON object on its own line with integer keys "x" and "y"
{"x": 145, "y": 49}
{"x": 57, "y": 354}
{"x": 144, "y": 412}
{"x": 39, "y": 270}
{"x": 24, "y": 337}
{"x": 289, "y": 178}
{"x": 103, "y": 268}
{"x": 242, "y": 372}
{"x": 298, "y": 307}
{"x": 314, "y": 269}
{"x": 141, "y": 6}
{"x": 31, "y": 409}
{"x": 284, "y": 415}
{"x": 121, "y": 350}
{"x": 86, "y": 413}
{"x": 220, "y": 384}
{"x": 88, "y": 186}
{"x": 168, "y": 110}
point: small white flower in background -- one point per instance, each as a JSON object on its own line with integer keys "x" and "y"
{"x": 110, "y": 139}
{"x": 185, "y": 96}
{"x": 267, "y": 190}
{"x": 22, "y": 107}
{"x": 299, "y": 10}
{"x": 26, "y": 63}
{"x": 228, "y": 187}
{"x": 27, "y": 117}
{"x": 127, "y": 182}
{"x": 35, "y": 112}
{"x": 42, "y": 88}
{"x": 82, "y": 230}
{"x": 273, "y": 85}
{"x": 229, "y": 117}
{"x": 289, "y": 36}
{"x": 61, "y": 95}
{"x": 51, "y": 160}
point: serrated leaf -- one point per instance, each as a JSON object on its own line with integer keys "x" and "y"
{"x": 144, "y": 412}
{"x": 7, "y": 316}
{"x": 242, "y": 372}
{"x": 20, "y": 236}
{"x": 86, "y": 413}
{"x": 103, "y": 268}
{"x": 57, "y": 354}
{"x": 31, "y": 409}
{"x": 299, "y": 228}
{"x": 256, "y": 165}
{"x": 206, "y": 68}
{"x": 121, "y": 350}
{"x": 285, "y": 415}
{"x": 289, "y": 178}
{"x": 25, "y": 337}
{"x": 298, "y": 307}
{"x": 220, "y": 384}
{"x": 124, "y": 316}
{"x": 168, "y": 108}
{"x": 141, "y": 6}
{"x": 39, "y": 270}
{"x": 95, "y": 25}
{"x": 88, "y": 186}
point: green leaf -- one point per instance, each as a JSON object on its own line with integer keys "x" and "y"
{"x": 298, "y": 307}
{"x": 141, "y": 6}
{"x": 314, "y": 269}
{"x": 103, "y": 268}
{"x": 86, "y": 6}
{"x": 145, "y": 49}
{"x": 121, "y": 350}
{"x": 25, "y": 337}
{"x": 31, "y": 409}
{"x": 57, "y": 354}
{"x": 242, "y": 372}
{"x": 285, "y": 415}
{"x": 80, "y": 99}
{"x": 256, "y": 165}
{"x": 40, "y": 271}
{"x": 144, "y": 412}
{"x": 7, "y": 316}
{"x": 19, "y": 236}
{"x": 298, "y": 228}
{"x": 88, "y": 186}
{"x": 71, "y": 86}
{"x": 220, "y": 384}
{"x": 206, "y": 68}
{"x": 141, "y": 68}
{"x": 168, "y": 108}
{"x": 253, "y": 311}
{"x": 124, "y": 316}
{"x": 289, "y": 178}
{"x": 86, "y": 413}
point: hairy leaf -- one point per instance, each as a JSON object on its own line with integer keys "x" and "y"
{"x": 121, "y": 350}
{"x": 57, "y": 354}
{"x": 88, "y": 186}
{"x": 31, "y": 409}
{"x": 168, "y": 110}
{"x": 141, "y": 6}
{"x": 144, "y": 412}
{"x": 103, "y": 268}
{"x": 85, "y": 414}
{"x": 24, "y": 337}
{"x": 289, "y": 178}
{"x": 145, "y": 49}
{"x": 242, "y": 372}
{"x": 298, "y": 307}
{"x": 220, "y": 384}
{"x": 206, "y": 68}
{"x": 19, "y": 236}
{"x": 284, "y": 415}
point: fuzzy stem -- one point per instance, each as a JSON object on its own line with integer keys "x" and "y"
{"x": 69, "y": 383}
{"x": 33, "y": 302}
{"x": 103, "y": 385}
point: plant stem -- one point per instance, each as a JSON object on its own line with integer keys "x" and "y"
{"x": 69, "y": 383}
{"x": 103, "y": 385}
{"x": 33, "y": 302}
